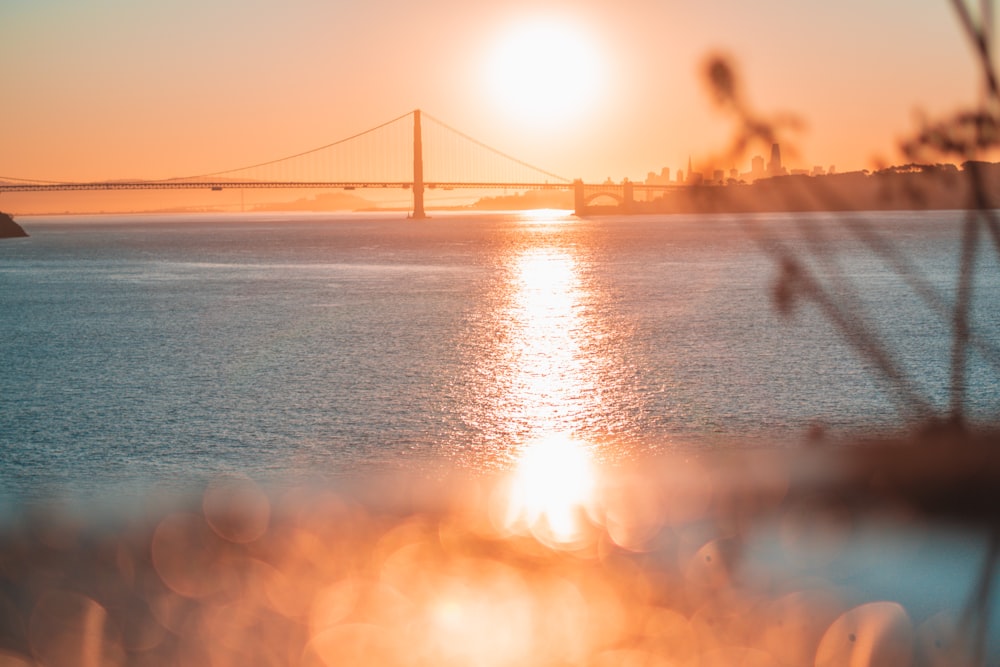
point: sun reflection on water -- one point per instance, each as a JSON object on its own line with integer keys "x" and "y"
{"x": 546, "y": 351}
{"x": 567, "y": 564}
{"x": 554, "y": 389}
{"x": 552, "y": 489}
{"x": 547, "y": 216}
{"x": 552, "y": 381}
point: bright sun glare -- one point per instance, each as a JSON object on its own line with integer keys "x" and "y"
{"x": 546, "y": 71}
{"x": 553, "y": 484}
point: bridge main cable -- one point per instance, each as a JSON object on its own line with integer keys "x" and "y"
{"x": 494, "y": 150}
{"x": 218, "y": 180}
{"x": 296, "y": 155}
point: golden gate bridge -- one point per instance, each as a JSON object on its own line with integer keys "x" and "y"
{"x": 415, "y": 152}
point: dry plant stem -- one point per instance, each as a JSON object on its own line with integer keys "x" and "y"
{"x": 796, "y": 281}
{"x": 910, "y": 273}
{"x": 902, "y": 267}
{"x": 860, "y": 335}
{"x": 979, "y": 35}
{"x": 977, "y": 614}
{"x": 961, "y": 138}
{"x": 960, "y": 319}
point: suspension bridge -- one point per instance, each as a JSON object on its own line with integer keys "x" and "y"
{"x": 415, "y": 152}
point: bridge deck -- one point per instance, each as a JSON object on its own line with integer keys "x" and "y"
{"x": 319, "y": 185}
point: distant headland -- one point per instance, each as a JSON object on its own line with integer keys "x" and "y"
{"x": 10, "y": 229}
{"x": 773, "y": 189}
{"x": 906, "y": 187}
{"x": 972, "y": 184}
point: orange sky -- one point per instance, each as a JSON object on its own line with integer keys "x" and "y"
{"x": 122, "y": 89}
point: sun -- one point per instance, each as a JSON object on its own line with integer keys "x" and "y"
{"x": 545, "y": 71}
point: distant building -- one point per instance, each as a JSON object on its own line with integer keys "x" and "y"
{"x": 774, "y": 167}
{"x": 693, "y": 177}
{"x": 663, "y": 178}
{"x": 757, "y": 170}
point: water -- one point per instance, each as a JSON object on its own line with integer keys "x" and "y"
{"x": 164, "y": 349}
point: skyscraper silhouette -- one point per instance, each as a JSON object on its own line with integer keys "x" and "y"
{"x": 774, "y": 167}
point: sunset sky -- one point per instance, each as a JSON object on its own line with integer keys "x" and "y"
{"x": 110, "y": 89}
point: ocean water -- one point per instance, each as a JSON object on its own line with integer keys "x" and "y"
{"x": 165, "y": 349}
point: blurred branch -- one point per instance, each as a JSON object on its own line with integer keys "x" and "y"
{"x": 979, "y": 34}
{"x": 961, "y": 138}
{"x": 977, "y": 613}
{"x": 751, "y": 128}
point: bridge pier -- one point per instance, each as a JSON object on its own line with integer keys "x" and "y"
{"x": 418, "y": 170}
{"x": 579, "y": 198}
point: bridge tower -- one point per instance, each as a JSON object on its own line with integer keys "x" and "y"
{"x": 418, "y": 170}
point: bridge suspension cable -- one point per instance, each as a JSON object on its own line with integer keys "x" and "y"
{"x": 450, "y": 155}
{"x": 381, "y": 156}
{"x": 31, "y": 181}
{"x": 313, "y": 156}
{"x": 384, "y": 154}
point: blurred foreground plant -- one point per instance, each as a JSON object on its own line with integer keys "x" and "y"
{"x": 964, "y": 138}
{"x": 399, "y": 575}
{"x": 948, "y": 472}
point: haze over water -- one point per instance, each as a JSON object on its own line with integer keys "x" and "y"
{"x": 166, "y": 349}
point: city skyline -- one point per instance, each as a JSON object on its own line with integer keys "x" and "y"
{"x": 758, "y": 169}
{"x": 112, "y": 90}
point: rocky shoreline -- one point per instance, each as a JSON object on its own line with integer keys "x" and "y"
{"x": 10, "y": 229}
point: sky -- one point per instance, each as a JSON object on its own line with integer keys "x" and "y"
{"x": 109, "y": 89}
